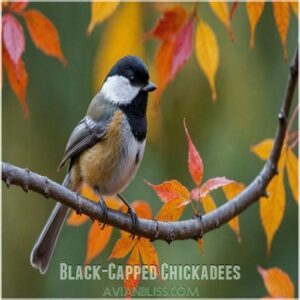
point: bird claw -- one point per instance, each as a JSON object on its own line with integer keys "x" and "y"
{"x": 104, "y": 210}
{"x": 135, "y": 221}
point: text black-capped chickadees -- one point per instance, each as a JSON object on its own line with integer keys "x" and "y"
{"x": 105, "y": 149}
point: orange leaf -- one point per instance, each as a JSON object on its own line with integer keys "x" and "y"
{"x": 292, "y": 172}
{"x": 220, "y": 9}
{"x": 282, "y": 17}
{"x": 148, "y": 254}
{"x": 207, "y": 53}
{"x": 294, "y": 6}
{"x": 170, "y": 190}
{"x": 200, "y": 244}
{"x": 172, "y": 210}
{"x": 208, "y": 204}
{"x": 97, "y": 241}
{"x": 231, "y": 190}
{"x": 122, "y": 247}
{"x": 17, "y": 78}
{"x": 194, "y": 161}
{"x": 100, "y": 11}
{"x": 75, "y": 219}
{"x": 170, "y": 22}
{"x": 142, "y": 209}
{"x": 44, "y": 34}
{"x": 87, "y": 192}
{"x": 18, "y": 6}
{"x": 213, "y": 184}
{"x": 277, "y": 283}
{"x": 254, "y": 10}
{"x": 163, "y": 66}
{"x": 263, "y": 149}
{"x": 132, "y": 272}
{"x": 272, "y": 208}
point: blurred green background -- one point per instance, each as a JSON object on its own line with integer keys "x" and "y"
{"x": 250, "y": 86}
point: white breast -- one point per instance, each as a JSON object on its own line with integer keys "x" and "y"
{"x": 130, "y": 159}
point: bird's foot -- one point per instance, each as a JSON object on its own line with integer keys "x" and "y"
{"x": 104, "y": 211}
{"x": 134, "y": 221}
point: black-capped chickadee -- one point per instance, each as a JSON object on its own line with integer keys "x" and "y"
{"x": 105, "y": 149}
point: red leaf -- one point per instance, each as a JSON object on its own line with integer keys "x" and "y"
{"x": 44, "y": 34}
{"x": 169, "y": 23}
{"x": 13, "y": 38}
{"x": 195, "y": 161}
{"x": 183, "y": 46}
{"x": 17, "y": 78}
{"x": 18, "y": 6}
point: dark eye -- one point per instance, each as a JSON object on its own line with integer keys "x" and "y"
{"x": 131, "y": 78}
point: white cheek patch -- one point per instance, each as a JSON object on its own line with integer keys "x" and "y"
{"x": 118, "y": 90}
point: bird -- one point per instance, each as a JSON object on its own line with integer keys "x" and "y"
{"x": 105, "y": 149}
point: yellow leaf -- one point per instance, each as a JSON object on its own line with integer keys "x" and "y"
{"x": 282, "y": 17}
{"x": 263, "y": 149}
{"x": 272, "y": 208}
{"x": 220, "y": 9}
{"x": 100, "y": 11}
{"x": 97, "y": 241}
{"x": 122, "y": 36}
{"x": 294, "y": 6}
{"x": 254, "y": 10}
{"x": 122, "y": 247}
{"x": 231, "y": 190}
{"x": 208, "y": 204}
{"x": 292, "y": 172}
{"x": 277, "y": 283}
{"x": 207, "y": 52}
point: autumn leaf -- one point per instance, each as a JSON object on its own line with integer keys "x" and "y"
{"x": 263, "y": 149}
{"x": 277, "y": 283}
{"x": 132, "y": 274}
{"x": 282, "y": 18}
{"x": 97, "y": 241}
{"x": 13, "y": 39}
{"x": 17, "y": 78}
{"x": 233, "y": 8}
{"x": 172, "y": 210}
{"x": 44, "y": 34}
{"x": 122, "y": 247}
{"x": 208, "y": 204}
{"x": 170, "y": 190}
{"x": 169, "y": 23}
{"x": 126, "y": 24}
{"x": 294, "y": 6}
{"x": 18, "y": 7}
{"x": 272, "y": 208}
{"x": 100, "y": 11}
{"x": 200, "y": 245}
{"x": 148, "y": 254}
{"x": 232, "y": 190}
{"x": 254, "y": 10}
{"x": 220, "y": 9}
{"x": 175, "y": 29}
{"x": 212, "y": 184}
{"x": 207, "y": 53}
{"x": 194, "y": 161}
{"x": 292, "y": 172}
{"x": 142, "y": 209}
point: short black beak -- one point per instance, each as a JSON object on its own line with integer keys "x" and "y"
{"x": 150, "y": 87}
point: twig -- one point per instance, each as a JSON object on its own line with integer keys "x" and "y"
{"x": 168, "y": 231}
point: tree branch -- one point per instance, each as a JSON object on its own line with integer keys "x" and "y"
{"x": 168, "y": 231}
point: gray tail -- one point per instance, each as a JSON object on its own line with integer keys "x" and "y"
{"x": 43, "y": 248}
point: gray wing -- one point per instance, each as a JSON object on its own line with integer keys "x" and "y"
{"x": 86, "y": 134}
